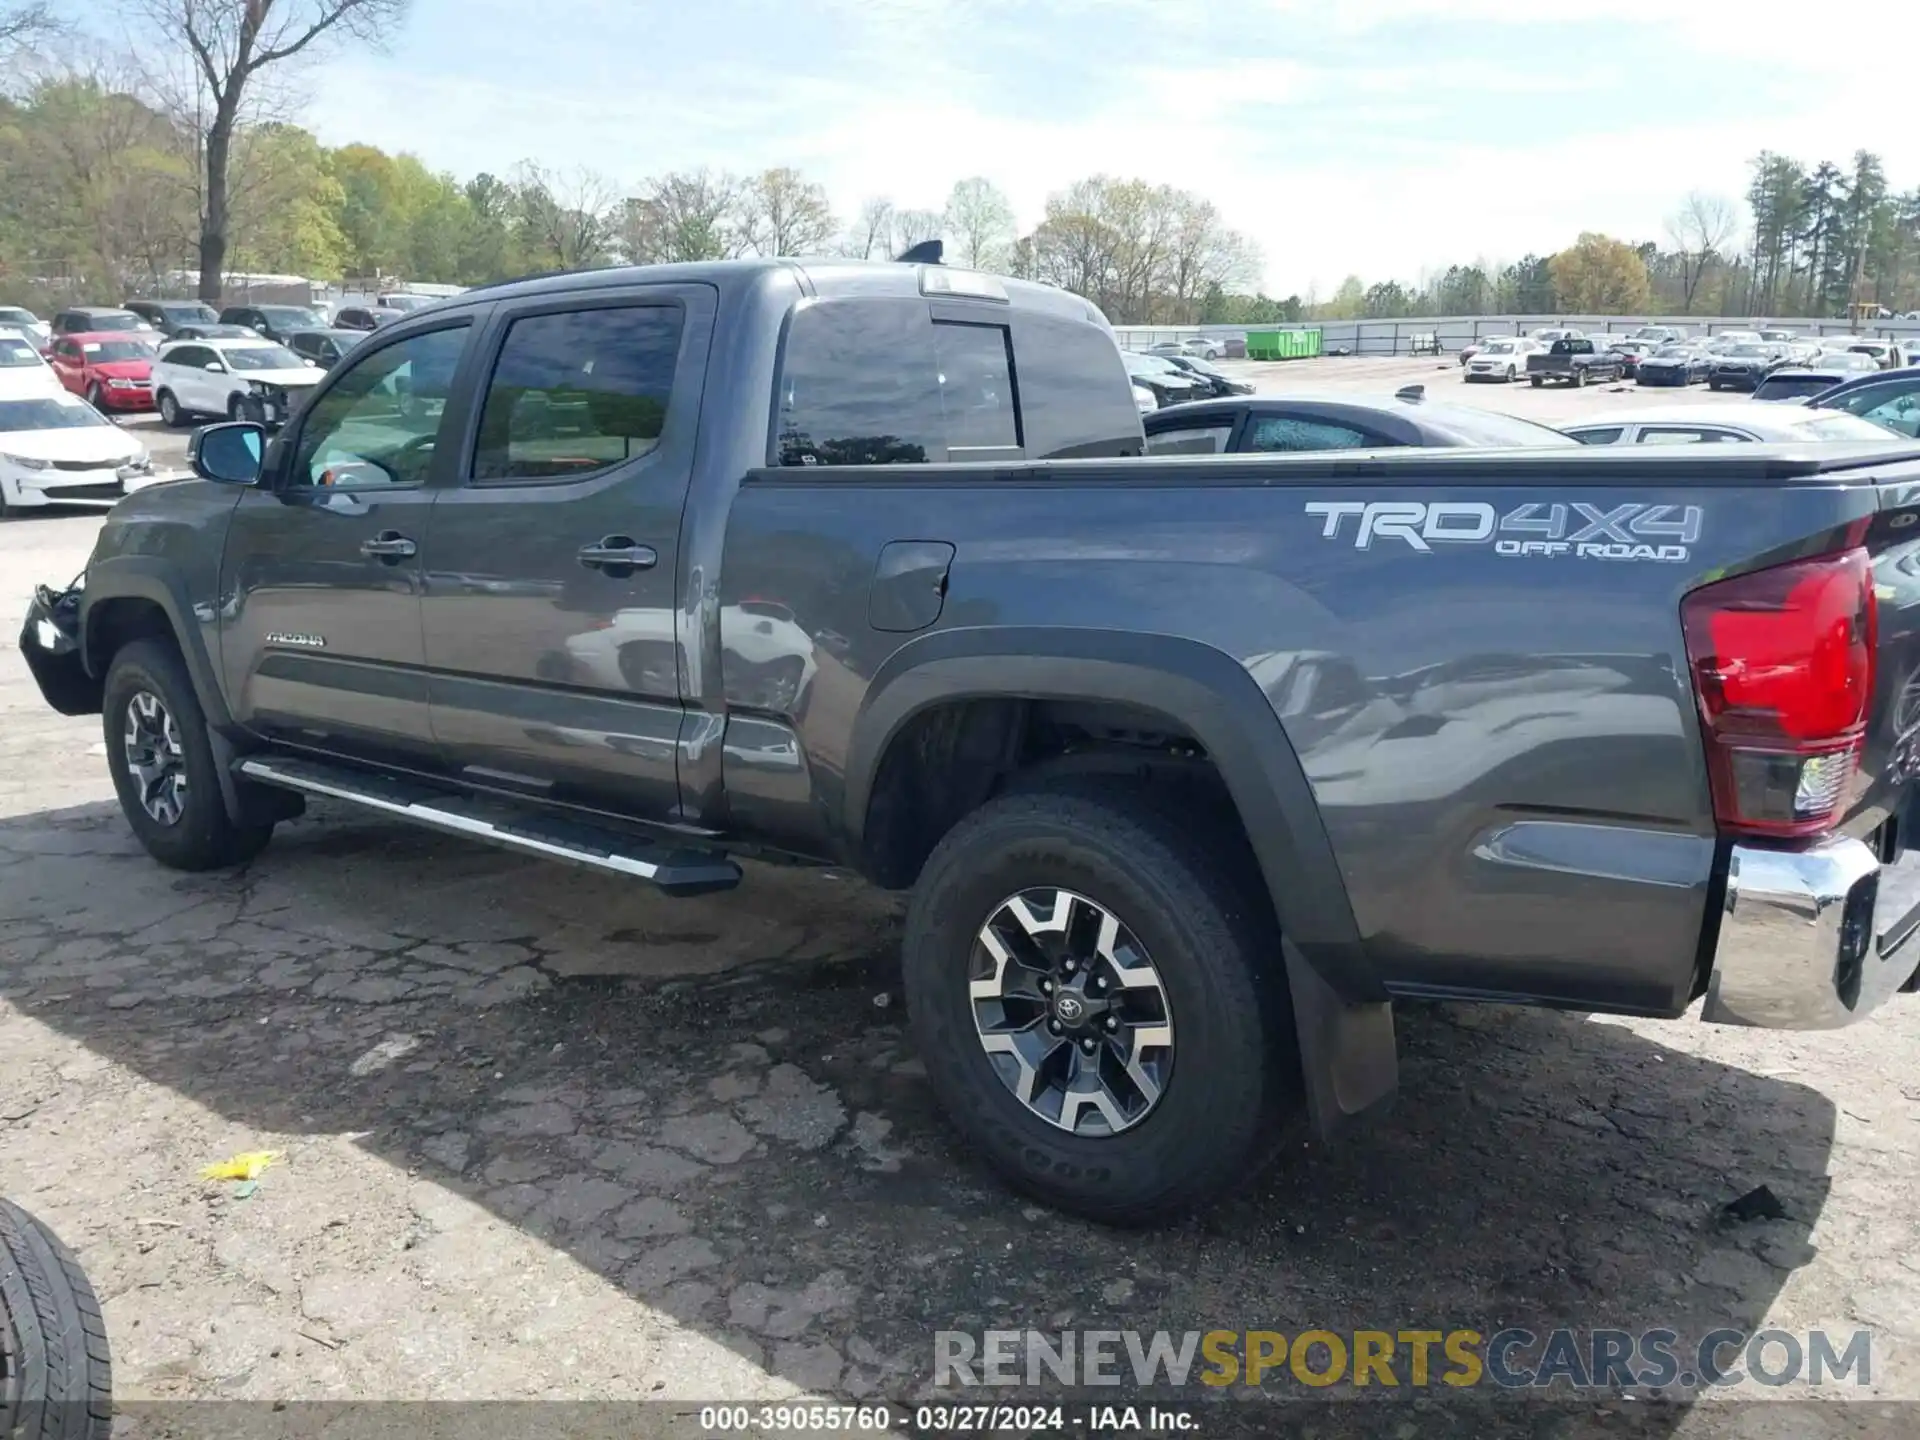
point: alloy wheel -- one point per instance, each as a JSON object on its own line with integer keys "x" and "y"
{"x": 155, "y": 758}
{"x": 1071, "y": 1012}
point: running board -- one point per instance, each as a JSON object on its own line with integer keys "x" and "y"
{"x": 677, "y": 871}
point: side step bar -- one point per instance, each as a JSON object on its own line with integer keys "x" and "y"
{"x": 677, "y": 871}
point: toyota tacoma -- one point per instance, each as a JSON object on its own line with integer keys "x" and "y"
{"x": 1194, "y": 766}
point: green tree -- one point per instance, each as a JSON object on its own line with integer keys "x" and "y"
{"x": 1598, "y": 275}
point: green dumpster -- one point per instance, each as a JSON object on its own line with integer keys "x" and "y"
{"x": 1282, "y": 344}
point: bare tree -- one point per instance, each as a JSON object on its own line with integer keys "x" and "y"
{"x": 910, "y": 227}
{"x": 232, "y": 43}
{"x": 1699, "y": 230}
{"x": 872, "y": 231}
{"x": 22, "y": 24}
{"x": 786, "y": 214}
{"x": 683, "y": 216}
{"x": 980, "y": 220}
{"x": 566, "y": 216}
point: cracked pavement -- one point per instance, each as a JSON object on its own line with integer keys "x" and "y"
{"x": 549, "y": 1135}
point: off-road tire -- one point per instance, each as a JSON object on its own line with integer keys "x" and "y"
{"x": 204, "y": 837}
{"x": 1186, "y": 891}
{"x": 56, "y": 1373}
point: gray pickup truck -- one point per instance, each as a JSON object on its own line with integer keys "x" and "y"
{"x": 1193, "y": 766}
{"x": 1575, "y": 360}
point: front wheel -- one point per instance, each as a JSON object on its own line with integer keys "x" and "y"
{"x": 1511, "y": 373}
{"x": 162, "y": 764}
{"x": 242, "y": 407}
{"x": 1579, "y": 379}
{"x": 95, "y": 398}
{"x": 1087, "y": 977}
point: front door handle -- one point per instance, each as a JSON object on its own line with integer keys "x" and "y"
{"x": 388, "y": 545}
{"x": 618, "y": 555}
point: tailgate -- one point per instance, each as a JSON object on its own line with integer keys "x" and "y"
{"x": 1889, "y": 778}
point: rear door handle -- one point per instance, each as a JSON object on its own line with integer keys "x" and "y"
{"x": 389, "y": 545}
{"x": 617, "y": 554}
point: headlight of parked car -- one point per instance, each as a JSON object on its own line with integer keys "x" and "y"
{"x": 27, "y": 462}
{"x": 117, "y": 383}
{"x": 1143, "y": 399}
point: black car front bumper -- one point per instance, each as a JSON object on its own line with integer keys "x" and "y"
{"x": 50, "y": 644}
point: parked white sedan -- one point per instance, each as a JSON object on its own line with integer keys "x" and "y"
{"x": 22, "y": 370}
{"x": 234, "y": 379}
{"x": 57, "y": 450}
{"x": 1741, "y": 422}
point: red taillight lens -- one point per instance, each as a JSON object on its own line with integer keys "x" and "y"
{"x": 1782, "y": 663}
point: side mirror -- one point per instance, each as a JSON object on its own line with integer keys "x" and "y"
{"x": 228, "y": 454}
{"x": 216, "y": 367}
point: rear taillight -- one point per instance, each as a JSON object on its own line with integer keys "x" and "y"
{"x": 1782, "y": 663}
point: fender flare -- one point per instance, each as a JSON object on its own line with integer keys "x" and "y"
{"x": 146, "y": 577}
{"x": 1200, "y": 688}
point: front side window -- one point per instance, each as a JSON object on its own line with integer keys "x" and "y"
{"x": 1286, "y": 432}
{"x": 379, "y": 424}
{"x": 578, "y": 392}
{"x": 1899, "y": 413}
{"x": 196, "y": 357}
{"x": 1194, "y": 440}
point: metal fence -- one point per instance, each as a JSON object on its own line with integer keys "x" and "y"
{"x": 1447, "y": 334}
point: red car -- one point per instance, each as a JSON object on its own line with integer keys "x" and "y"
{"x": 112, "y": 368}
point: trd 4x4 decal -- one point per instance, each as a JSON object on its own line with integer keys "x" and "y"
{"x": 1576, "y": 529}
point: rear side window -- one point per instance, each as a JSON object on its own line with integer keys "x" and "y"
{"x": 1195, "y": 440}
{"x": 1286, "y": 432}
{"x": 577, "y": 392}
{"x": 859, "y": 386}
{"x": 1609, "y": 435}
{"x": 1686, "y": 435}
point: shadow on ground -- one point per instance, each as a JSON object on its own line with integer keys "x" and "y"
{"x": 753, "y": 1155}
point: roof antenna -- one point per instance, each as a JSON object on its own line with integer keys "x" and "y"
{"x": 927, "y": 252}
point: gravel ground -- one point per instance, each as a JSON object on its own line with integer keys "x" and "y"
{"x": 550, "y": 1136}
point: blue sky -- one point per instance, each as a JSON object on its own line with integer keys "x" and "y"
{"x": 1377, "y": 137}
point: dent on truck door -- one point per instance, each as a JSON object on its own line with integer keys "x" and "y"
{"x": 550, "y": 611}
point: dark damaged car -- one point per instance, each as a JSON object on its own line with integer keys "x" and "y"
{"x": 1193, "y": 767}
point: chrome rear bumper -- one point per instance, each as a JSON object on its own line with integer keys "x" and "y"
{"x": 1813, "y": 939}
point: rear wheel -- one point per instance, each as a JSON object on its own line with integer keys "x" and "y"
{"x": 1535, "y": 381}
{"x": 1086, "y": 978}
{"x": 162, "y": 764}
{"x": 56, "y": 1372}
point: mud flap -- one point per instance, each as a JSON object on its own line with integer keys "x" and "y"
{"x": 1348, "y": 1059}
